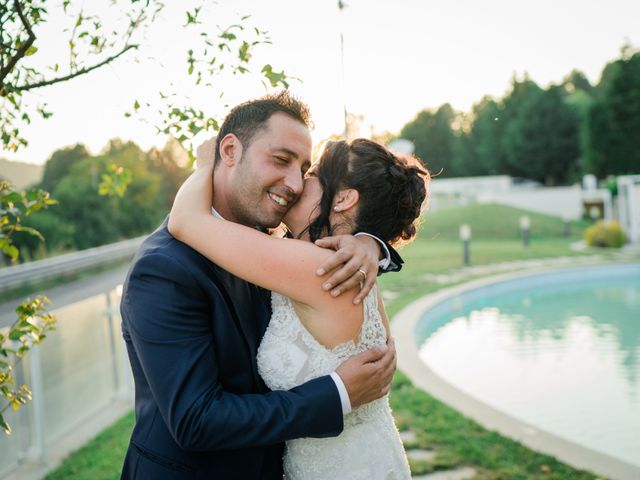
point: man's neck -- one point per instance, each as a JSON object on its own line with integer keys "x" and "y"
{"x": 219, "y": 201}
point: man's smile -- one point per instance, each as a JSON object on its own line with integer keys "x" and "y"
{"x": 283, "y": 202}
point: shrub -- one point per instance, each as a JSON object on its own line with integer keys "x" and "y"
{"x": 609, "y": 235}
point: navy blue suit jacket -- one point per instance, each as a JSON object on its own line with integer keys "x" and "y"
{"x": 202, "y": 412}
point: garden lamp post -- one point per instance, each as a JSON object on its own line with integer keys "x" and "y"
{"x": 465, "y": 236}
{"x": 525, "y": 227}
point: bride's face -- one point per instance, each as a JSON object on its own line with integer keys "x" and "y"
{"x": 307, "y": 208}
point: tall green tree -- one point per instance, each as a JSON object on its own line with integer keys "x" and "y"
{"x": 511, "y": 106}
{"x": 581, "y": 96}
{"x": 541, "y": 141}
{"x": 485, "y": 137}
{"x": 60, "y": 163}
{"x": 99, "y": 219}
{"x": 432, "y": 135}
{"x": 613, "y": 121}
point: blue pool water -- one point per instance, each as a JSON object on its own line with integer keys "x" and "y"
{"x": 560, "y": 351}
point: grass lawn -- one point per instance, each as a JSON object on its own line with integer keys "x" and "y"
{"x": 101, "y": 458}
{"x": 458, "y": 440}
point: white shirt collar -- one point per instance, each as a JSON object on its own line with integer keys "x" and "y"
{"x": 215, "y": 213}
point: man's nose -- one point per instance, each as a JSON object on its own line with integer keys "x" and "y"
{"x": 295, "y": 181}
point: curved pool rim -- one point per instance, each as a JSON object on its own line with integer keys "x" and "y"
{"x": 404, "y": 328}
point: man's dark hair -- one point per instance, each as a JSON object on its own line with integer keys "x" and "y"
{"x": 248, "y": 118}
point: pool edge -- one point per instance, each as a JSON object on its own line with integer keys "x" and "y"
{"x": 403, "y": 329}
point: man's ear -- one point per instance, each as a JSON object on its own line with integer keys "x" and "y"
{"x": 345, "y": 200}
{"x": 230, "y": 150}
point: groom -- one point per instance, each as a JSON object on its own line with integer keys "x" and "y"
{"x": 192, "y": 329}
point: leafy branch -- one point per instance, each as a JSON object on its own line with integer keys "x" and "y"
{"x": 228, "y": 50}
{"x": 14, "y": 208}
{"x": 77, "y": 73}
{"x": 33, "y": 322}
{"x": 29, "y": 329}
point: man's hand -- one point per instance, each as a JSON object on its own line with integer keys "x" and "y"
{"x": 206, "y": 153}
{"x": 359, "y": 259}
{"x": 368, "y": 376}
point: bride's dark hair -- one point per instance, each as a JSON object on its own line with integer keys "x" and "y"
{"x": 392, "y": 189}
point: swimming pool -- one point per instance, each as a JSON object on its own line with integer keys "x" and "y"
{"x": 558, "y": 350}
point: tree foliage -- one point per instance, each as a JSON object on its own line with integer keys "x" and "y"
{"x": 94, "y": 42}
{"x": 15, "y": 208}
{"x": 541, "y": 141}
{"x": 484, "y": 146}
{"x": 613, "y": 122}
{"x": 433, "y": 138}
{"x": 32, "y": 322}
{"x": 84, "y": 218}
{"x": 551, "y": 135}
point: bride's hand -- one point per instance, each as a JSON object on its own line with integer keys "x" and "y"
{"x": 194, "y": 198}
{"x": 206, "y": 153}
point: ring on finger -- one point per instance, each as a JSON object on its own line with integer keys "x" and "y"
{"x": 363, "y": 273}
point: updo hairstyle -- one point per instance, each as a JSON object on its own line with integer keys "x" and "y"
{"x": 392, "y": 189}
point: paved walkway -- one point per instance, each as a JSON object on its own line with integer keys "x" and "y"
{"x": 419, "y": 455}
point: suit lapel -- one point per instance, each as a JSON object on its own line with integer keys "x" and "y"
{"x": 248, "y": 311}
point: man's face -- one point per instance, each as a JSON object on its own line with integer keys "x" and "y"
{"x": 269, "y": 177}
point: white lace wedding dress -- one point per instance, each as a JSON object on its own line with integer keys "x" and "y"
{"x": 369, "y": 448}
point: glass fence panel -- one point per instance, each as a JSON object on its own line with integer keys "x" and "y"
{"x": 82, "y": 367}
{"x": 77, "y": 366}
{"x": 14, "y": 447}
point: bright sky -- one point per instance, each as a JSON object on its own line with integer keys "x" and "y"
{"x": 401, "y": 57}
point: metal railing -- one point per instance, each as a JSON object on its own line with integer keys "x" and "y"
{"x": 18, "y": 275}
{"x": 79, "y": 372}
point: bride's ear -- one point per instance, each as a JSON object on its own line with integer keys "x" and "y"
{"x": 230, "y": 150}
{"x": 345, "y": 200}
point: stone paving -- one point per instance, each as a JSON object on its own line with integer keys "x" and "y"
{"x": 463, "y": 473}
{"x": 421, "y": 455}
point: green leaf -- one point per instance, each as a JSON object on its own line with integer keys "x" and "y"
{"x": 4, "y": 425}
{"x": 13, "y": 197}
{"x": 30, "y": 231}
{"x": 275, "y": 78}
{"x": 243, "y": 52}
{"x": 30, "y": 51}
{"x": 136, "y": 105}
{"x": 12, "y": 251}
{"x": 17, "y": 334}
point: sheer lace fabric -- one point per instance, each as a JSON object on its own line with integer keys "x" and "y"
{"x": 369, "y": 447}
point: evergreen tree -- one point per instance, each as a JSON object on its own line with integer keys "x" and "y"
{"x": 541, "y": 141}
{"x": 613, "y": 122}
{"x": 433, "y": 138}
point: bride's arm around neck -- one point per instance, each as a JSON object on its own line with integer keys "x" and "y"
{"x": 286, "y": 266}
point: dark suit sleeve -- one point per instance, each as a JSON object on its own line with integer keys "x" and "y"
{"x": 396, "y": 261}
{"x": 167, "y": 317}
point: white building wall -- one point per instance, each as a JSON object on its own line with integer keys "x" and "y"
{"x": 565, "y": 202}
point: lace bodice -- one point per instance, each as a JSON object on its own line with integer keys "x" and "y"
{"x": 369, "y": 447}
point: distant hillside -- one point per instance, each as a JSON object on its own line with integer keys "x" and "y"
{"x": 20, "y": 174}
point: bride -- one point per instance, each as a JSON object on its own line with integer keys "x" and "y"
{"x": 356, "y": 186}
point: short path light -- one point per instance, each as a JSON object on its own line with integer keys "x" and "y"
{"x": 465, "y": 236}
{"x": 525, "y": 226}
